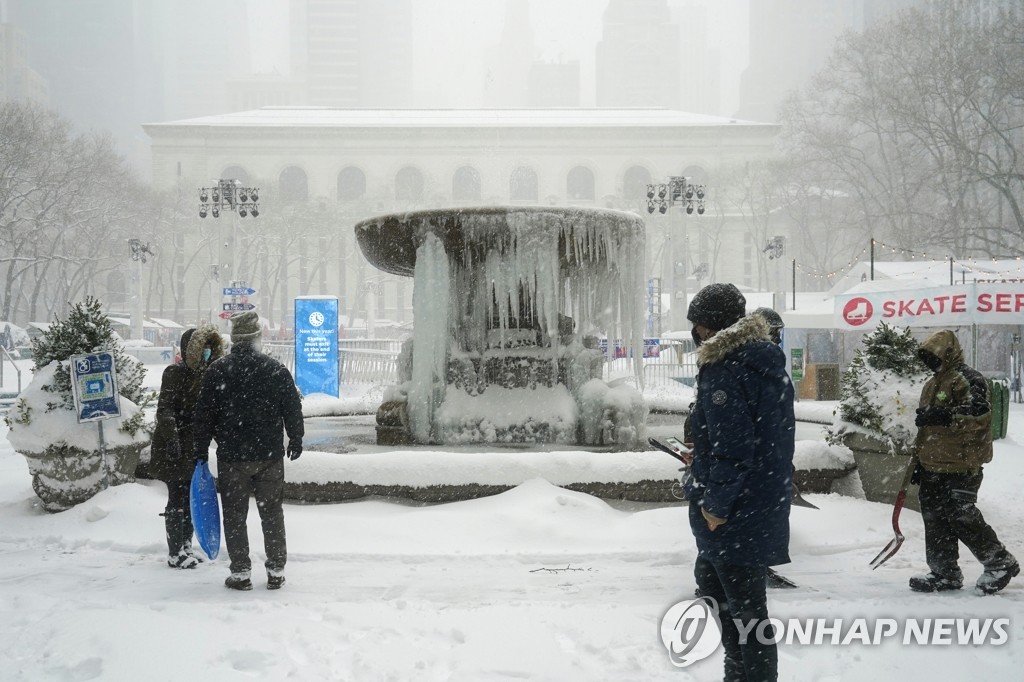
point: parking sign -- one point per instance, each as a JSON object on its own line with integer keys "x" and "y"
{"x": 94, "y": 384}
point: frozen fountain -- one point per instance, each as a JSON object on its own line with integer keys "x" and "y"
{"x": 508, "y": 307}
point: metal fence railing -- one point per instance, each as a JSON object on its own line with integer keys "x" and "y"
{"x": 375, "y": 361}
{"x": 360, "y": 361}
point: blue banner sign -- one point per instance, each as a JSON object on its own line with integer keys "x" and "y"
{"x": 239, "y": 291}
{"x": 316, "y": 345}
{"x": 94, "y": 384}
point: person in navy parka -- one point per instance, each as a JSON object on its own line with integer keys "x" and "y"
{"x": 740, "y": 484}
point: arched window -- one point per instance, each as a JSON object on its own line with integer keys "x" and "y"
{"x": 292, "y": 184}
{"x": 696, "y": 174}
{"x": 466, "y": 184}
{"x": 579, "y": 185}
{"x": 408, "y": 184}
{"x": 522, "y": 185}
{"x": 351, "y": 184}
{"x": 634, "y": 184}
{"x": 235, "y": 173}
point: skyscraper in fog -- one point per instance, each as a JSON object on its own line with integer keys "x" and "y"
{"x": 638, "y": 57}
{"x": 19, "y": 82}
{"x": 353, "y": 53}
{"x": 790, "y": 40}
{"x": 507, "y": 80}
{"x": 700, "y": 77}
{"x": 113, "y": 65}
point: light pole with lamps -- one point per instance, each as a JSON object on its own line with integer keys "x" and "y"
{"x": 775, "y": 248}
{"x": 681, "y": 192}
{"x": 138, "y": 251}
{"x": 226, "y": 195}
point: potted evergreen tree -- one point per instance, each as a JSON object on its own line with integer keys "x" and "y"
{"x": 878, "y": 404}
{"x": 63, "y": 456}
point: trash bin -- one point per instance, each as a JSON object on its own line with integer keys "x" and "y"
{"x": 999, "y": 399}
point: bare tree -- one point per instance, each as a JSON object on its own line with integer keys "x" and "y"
{"x": 918, "y": 122}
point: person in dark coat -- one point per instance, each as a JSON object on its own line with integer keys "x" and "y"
{"x": 170, "y": 459}
{"x": 954, "y": 440}
{"x": 245, "y": 399}
{"x": 740, "y": 483}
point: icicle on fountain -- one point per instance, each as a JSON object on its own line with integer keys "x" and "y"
{"x": 508, "y": 304}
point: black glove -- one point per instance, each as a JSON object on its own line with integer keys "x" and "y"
{"x": 934, "y": 415}
{"x": 915, "y": 478}
{"x": 202, "y": 457}
{"x": 294, "y": 450}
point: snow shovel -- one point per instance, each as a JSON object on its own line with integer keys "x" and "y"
{"x": 889, "y": 551}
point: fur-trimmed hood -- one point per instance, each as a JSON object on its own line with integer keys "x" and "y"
{"x": 206, "y": 335}
{"x": 748, "y": 330}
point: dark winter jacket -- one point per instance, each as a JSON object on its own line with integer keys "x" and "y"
{"x": 743, "y": 436}
{"x": 245, "y": 399}
{"x": 171, "y": 451}
{"x": 959, "y": 439}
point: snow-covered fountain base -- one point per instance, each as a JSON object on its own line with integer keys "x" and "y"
{"x": 508, "y": 307}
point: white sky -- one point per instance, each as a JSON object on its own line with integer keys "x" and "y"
{"x": 452, "y": 37}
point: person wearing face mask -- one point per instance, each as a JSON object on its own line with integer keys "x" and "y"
{"x": 740, "y": 483}
{"x": 171, "y": 450}
{"x": 247, "y": 401}
{"x": 954, "y": 440}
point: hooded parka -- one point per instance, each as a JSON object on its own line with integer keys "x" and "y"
{"x": 961, "y": 392}
{"x": 171, "y": 458}
{"x": 743, "y": 435}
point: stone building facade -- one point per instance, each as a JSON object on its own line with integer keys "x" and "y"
{"x": 346, "y": 165}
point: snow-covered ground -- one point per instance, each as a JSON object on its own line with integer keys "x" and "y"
{"x": 537, "y": 583}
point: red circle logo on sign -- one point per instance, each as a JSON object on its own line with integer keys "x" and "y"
{"x": 857, "y": 311}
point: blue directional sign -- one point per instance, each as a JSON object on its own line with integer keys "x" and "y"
{"x": 316, "y": 345}
{"x": 234, "y": 307}
{"x": 239, "y": 291}
{"x": 94, "y": 385}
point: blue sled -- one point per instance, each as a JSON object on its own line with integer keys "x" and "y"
{"x": 206, "y": 510}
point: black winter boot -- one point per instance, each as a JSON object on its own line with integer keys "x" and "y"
{"x": 238, "y": 581}
{"x": 995, "y": 579}
{"x": 932, "y": 582}
{"x": 174, "y": 524}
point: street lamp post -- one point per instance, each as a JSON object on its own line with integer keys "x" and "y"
{"x": 226, "y": 195}
{"x": 138, "y": 251}
{"x": 775, "y": 248}
{"x": 678, "y": 192}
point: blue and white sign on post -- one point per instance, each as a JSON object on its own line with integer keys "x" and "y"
{"x": 239, "y": 291}
{"x": 316, "y": 345}
{"x": 94, "y": 384}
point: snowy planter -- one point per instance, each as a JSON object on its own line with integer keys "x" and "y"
{"x": 882, "y": 468}
{"x": 63, "y": 456}
{"x": 880, "y": 394}
{"x": 818, "y": 465}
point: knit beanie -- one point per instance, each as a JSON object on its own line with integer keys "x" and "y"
{"x": 717, "y": 306}
{"x": 245, "y": 327}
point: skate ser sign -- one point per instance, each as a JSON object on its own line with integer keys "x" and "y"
{"x": 958, "y": 304}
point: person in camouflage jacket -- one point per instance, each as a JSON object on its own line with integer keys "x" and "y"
{"x": 954, "y": 440}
